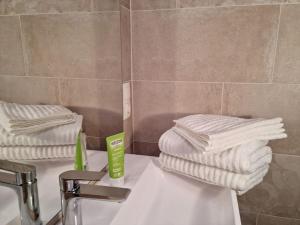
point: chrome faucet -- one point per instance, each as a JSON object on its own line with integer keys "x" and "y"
{"x": 22, "y": 178}
{"x": 72, "y": 190}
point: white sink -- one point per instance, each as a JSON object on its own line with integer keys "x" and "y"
{"x": 162, "y": 198}
{"x": 157, "y": 197}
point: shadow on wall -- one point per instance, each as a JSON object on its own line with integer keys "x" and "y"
{"x": 99, "y": 122}
{"x": 148, "y": 130}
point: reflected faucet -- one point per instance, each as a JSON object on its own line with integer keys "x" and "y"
{"x": 72, "y": 190}
{"x": 22, "y": 178}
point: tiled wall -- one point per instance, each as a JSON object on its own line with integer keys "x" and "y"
{"x": 64, "y": 52}
{"x": 231, "y": 57}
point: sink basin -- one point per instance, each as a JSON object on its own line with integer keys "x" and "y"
{"x": 162, "y": 198}
{"x": 157, "y": 197}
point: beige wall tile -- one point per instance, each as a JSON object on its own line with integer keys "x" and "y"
{"x": 193, "y": 98}
{"x": 157, "y": 104}
{"x": 153, "y": 109}
{"x": 105, "y": 5}
{"x": 288, "y": 51}
{"x": 144, "y": 148}
{"x": 29, "y": 90}
{"x": 207, "y": 44}
{"x": 11, "y": 55}
{"x": 248, "y": 218}
{"x": 100, "y": 102}
{"x": 152, "y": 4}
{"x": 274, "y": 220}
{"x": 279, "y": 193}
{"x": 43, "y": 6}
{"x": 125, "y": 43}
{"x": 73, "y": 45}
{"x": 268, "y": 100}
{"x": 293, "y": 1}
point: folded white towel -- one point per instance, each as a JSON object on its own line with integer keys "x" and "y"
{"x": 218, "y": 133}
{"x": 22, "y": 119}
{"x": 245, "y": 158}
{"x": 60, "y": 135}
{"x": 37, "y": 152}
{"x": 239, "y": 182}
{"x": 216, "y": 126}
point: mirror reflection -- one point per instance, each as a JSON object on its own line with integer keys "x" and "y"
{"x": 60, "y": 88}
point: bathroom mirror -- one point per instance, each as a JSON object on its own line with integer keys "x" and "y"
{"x": 65, "y": 53}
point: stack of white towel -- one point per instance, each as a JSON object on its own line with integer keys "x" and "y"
{"x": 37, "y": 131}
{"x": 221, "y": 150}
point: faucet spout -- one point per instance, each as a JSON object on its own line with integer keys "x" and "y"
{"x": 71, "y": 188}
{"x": 103, "y": 192}
{"x": 22, "y": 178}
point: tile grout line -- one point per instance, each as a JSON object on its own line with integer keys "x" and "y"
{"x": 214, "y": 82}
{"x": 222, "y": 98}
{"x": 276, "y": 46}
{"x": 164, "y": 9}
{"x": 269, "y": 215}
{"x": 177, "y": 4}
{"x": 288, "y": 155}
{"x": 92, "y": 6}
{"x": 256, "y": 218}
{"x": 213, "y": 7}
{"x": 150, "y": 81}
{"x": 59, "y": 77}
{"x": 95, "y": 136}
{"x": 24, "y": 54}
{"x": 62, "y": 13}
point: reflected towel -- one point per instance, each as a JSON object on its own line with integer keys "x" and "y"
{"x": 23, "y": 119}
{"x": 60, "y": 135}
{"x": 37, "y": 152}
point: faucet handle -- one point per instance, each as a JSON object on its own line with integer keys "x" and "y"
{"x": 69, "y": 180}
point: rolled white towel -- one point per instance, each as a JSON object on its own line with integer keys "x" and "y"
{"x": 218, "y": 133}
{"x": 244, "y": 159}
{"x": 60, "y": 135}
{"x": 37, "y": 152}
{"x": 22, "y": 119}
{"x": 238, "y": 182}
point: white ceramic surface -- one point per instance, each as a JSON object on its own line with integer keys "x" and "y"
{"x": 162, "y": 198}
{"x": 48, "y": 187}
{"x": 159, "y": 198}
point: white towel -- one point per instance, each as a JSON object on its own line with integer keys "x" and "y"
{"x": 21, "y": 119}
{"x": 245, "y": 158}
{"x": 218, "y": 133}
{"x": 239, "y": 182}
{"x": 37, "y": 152}
{"x": 60, "y": 135}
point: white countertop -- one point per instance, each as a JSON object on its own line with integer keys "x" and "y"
{"x": 48, "y": 185}
{"x": 157, "y": 197}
